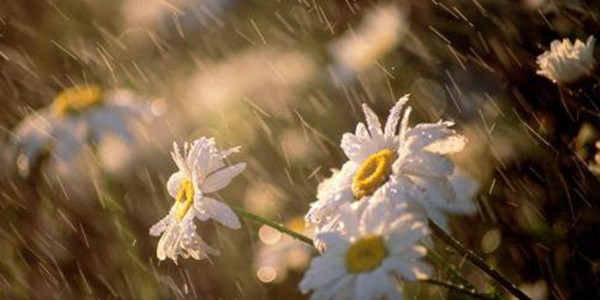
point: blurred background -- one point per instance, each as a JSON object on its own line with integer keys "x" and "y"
{"x": 285, "y": 79}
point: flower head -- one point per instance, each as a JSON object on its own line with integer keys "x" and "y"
{"x": 566, "y": 62}
{"x": 78, "y": 115}
{"x": 364, "y": 260}
{"x": 202, "y": 170}
{"x": 398, "y": 165}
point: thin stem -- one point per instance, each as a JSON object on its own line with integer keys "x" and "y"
{"x": 277, "y": 226}
{"x": 477, "y": 261}
{"x": 450, "y": 269}
{"x": 460, "y": 289}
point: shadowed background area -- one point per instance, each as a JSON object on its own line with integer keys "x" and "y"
{"x": 285, "y": 79}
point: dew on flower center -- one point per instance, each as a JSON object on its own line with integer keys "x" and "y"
{"x": 365, "y": 254}
{"x": 75, "y": 99}
{"x": 184, "y": 199}
{"x": 373, "y": 173}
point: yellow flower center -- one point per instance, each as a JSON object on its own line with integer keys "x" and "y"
{"x": 75, "y": 99}
{"x": 184, "y": 199}
{"x": 373, "y": 173}
{"x": 365, "y": 254}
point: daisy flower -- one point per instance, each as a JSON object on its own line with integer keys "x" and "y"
{"x": 566, "y": 62}
{"x": 409, "y": 164}
{"x": 202, "y": 170}
{"x": 367, "y": 259}
{"x": 78, "y": 115}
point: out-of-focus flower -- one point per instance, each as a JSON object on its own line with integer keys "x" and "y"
{"x": 78, "y": 115}
{"x": 361, "y": 262}
{"x": 201, "y": 170}
{"x": 380, "y": 31}
{"x": 566, "y": 62}
{"x": 270, "y": 76}
{"x": 280, "y": 253}
{"x": 406, "y": 166}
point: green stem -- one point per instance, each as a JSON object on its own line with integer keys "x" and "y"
{"x": 477, "y": 261}
{"x": 460, "y": 289}
{"x": 277, "y": 226}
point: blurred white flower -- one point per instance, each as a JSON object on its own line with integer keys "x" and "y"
{"x": 409, "y": 165}
{"x": 272, "y": 77}
{"x": 280, "y": 253}
{"x": 367, "y": 259}
{"x": 202, "y": 170}
{"x": 77, "y": 116}
{"x": 566, "y": 62}
{"x": 380, "y": 31}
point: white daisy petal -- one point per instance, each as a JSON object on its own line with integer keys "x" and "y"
{"x": 175, "y": 181}
{"x": 210, "y": 208}
{"x": 425, "y": 134}
{"x": 361, "y": 132}
{"x": 409, "y": 237}
{"x": 427, "y": 164}
{"x": 334, "y": 242}
{"x": 168, "y": 243}
{"x": 323, "y": 271}
{"x": 221, "y": 178}
{"x": 336, "y": 288}
{"x": 449, "y": 145}
{"x": 372, "y": 122}
{"x": 158, "y": 228}
{"x": 370, "y": 285}
{"x": 351, "y": 145}
{"x": 391, "y": 125}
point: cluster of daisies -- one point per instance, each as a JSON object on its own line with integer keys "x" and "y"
{"x": 370, "y": 218}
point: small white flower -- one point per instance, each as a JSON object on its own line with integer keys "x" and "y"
{"x": 365, "y": 260}
{"x": 406, "y": 165}
{"x": 566, "y": 62}
{"x": 202, "y": 170}
{"x": 78, "y": 115}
